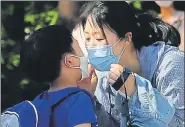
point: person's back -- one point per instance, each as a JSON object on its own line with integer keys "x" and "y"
{"x": 50, "y": 55}
{"x": 75, "y": 109}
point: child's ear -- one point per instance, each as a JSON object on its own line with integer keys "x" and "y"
{"x": 71, "y": 61}
{"x": 128, "y": 36}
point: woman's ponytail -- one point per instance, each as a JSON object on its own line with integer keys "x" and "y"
{"x": 151, "y": 29}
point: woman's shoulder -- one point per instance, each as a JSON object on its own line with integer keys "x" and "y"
{"x": 164, "y": 51}
{"x": 158, "y": 55}
{"x": 173, "y": 55}
{"x": 171, "y": 63}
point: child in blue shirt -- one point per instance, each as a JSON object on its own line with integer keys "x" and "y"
{"x": 51, "y": 55}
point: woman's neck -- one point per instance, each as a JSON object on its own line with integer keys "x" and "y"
{"x": 130, "y": 60}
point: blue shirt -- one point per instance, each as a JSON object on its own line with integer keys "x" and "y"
{"x": 159, "y": 98}
{"x": 76, "y": 109}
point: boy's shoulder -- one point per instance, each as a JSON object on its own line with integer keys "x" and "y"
{"x": 82, "y": 98}
{"x": 48, "y": 103}
{"x": 79, "y": 107}
{"x": 73, "y": 93}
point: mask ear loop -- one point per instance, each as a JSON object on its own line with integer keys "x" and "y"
{"x": 123, "y": 50}
{"x": 115, "y": 45}
{"x": 75, "y": 67}
{"x": 117, "y": 42}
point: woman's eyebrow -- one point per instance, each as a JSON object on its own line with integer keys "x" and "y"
{"x": 92, "y": 32}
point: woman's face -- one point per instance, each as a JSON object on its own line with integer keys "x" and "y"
{"x": 96, "y": 36}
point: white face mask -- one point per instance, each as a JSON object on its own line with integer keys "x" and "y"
{"x": 164, "y": 3}
{"x": 83, "y": 66}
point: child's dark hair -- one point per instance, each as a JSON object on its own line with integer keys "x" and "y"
{"x": 42, "y": 52}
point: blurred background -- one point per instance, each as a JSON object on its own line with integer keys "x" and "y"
{"x": 18, "y": 19}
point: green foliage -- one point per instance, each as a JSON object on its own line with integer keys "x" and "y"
{"x": 2, "y": 60}
{"x": 40, "y": 20}
{"x": 137, "y": 4}
{"x": 35, "y": 21}
{"x": 15, "y": 60}
{"x": 30, "y": 18}
{"x": 9, "y": 66}
{"x": 23, "y": 83}
{"x": 13, "y": 81}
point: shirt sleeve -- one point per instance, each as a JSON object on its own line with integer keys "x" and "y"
{"x": 164, "y": 105}
{"x": 148, "y": 107}
{"x": 81, "y": 111}
{"x": 170, "y": 83}
{"x": 181, "y": 31}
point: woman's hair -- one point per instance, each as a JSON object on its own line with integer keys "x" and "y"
{"x": 119, "y": 17}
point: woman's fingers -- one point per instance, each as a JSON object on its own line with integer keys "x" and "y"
{"x": 115, "y": 72}
{"x": 117, "y": 67}
{"x": 92, "y": 72}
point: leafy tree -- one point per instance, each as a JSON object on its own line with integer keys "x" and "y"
{"x": 19, "y": 18}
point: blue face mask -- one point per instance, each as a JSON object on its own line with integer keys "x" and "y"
{"x": 101, "y": 57}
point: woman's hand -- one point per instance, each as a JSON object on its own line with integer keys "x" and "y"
{"x": 90, "y": 82}
{"x": 115, "y": 72}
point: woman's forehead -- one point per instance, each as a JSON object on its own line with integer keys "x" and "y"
{"x": 92, "y": 26}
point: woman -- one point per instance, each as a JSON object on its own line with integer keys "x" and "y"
{"x": 117, "y": 40}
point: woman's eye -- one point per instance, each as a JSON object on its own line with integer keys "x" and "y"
{"x": 100, "y": 39}
{"x": 87, "y": 39}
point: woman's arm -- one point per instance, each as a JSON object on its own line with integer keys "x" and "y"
{"x": 156, "y": 107}
{"x": 170, "y": 83}
{"x": 148, "y": 107}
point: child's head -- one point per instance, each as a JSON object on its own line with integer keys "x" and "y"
{"x": 46, "y": 55}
